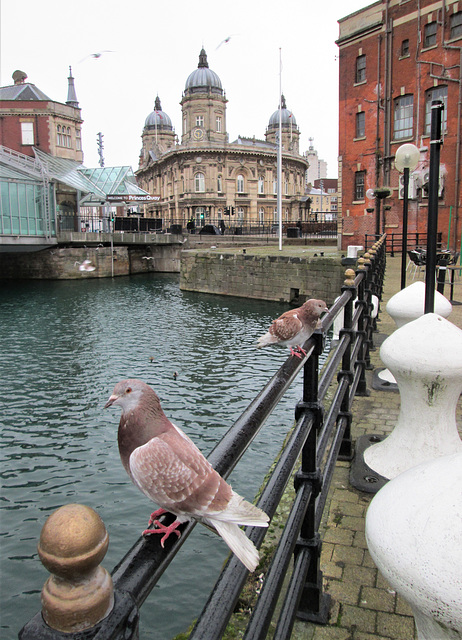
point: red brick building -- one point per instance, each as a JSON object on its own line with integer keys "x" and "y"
{"x": 395, "y": 58}
{"x": 29, "y": 118}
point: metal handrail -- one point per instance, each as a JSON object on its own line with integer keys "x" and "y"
{"x": 318, "y": 438}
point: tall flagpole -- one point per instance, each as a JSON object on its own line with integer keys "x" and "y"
{"x": 279, "y": 163}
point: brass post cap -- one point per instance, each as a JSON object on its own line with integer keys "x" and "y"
{"x": 73, "y": 540}
{"x": 360, "y": 263}
{"x": 349, "y": 277}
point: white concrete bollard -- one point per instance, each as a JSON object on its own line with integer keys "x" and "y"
{"x": 409, "y": 304}
{"x": 413, "y": 532}
{"x": 425, "y": 358}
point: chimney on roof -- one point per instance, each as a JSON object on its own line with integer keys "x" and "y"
{"x": 19, "y": 77}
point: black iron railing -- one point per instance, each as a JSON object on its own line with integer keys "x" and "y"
{"x": 322, "y": 434}
{"x": 229, "y": 225}
{"x": 394, "y": 241}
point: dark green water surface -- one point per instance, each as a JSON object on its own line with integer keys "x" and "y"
{"x": 63, "y": 347}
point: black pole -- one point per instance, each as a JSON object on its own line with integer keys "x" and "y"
{"x": 432, "y": 221}
{"x": 377, "y": 218}
{"x": 404, "y": 243}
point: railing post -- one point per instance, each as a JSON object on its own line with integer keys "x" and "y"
{"x": 362, "y": 268}
{"x": 346, "y": 448}
{"x": 314, "y": 604}
{"x": 78, "y": 598}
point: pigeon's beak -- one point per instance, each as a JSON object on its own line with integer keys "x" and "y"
{"x": 111, "y": 401}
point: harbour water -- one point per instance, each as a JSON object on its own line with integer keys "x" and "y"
{"x": 64, "y": 344}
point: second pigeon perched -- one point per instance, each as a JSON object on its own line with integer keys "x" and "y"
{"x": 294, "y": 327}
{"x": 170, "y": 470}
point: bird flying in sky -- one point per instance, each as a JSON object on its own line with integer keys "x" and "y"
{"x": 294, "y": 327}
{"x": 97, "y": 55}
{"x": 225, "y": 41}
{"x": 170, "y": 470}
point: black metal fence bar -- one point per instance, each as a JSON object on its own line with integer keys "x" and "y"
{"x": 220, "y": 605}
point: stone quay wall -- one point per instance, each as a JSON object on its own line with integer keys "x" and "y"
{"x": 279, "y": 278}
{"x": 62, "y": 263}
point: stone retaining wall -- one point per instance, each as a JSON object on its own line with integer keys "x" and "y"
{"x": 281, "y": 278}
{"x": 62, "y": 263}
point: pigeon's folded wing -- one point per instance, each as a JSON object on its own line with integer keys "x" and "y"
{"x": 286, "y": 327}
{"x": 172, "y": 472}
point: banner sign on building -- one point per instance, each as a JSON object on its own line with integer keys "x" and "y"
{"x": 126, "y": 197}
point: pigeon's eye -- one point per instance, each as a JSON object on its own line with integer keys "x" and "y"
{"x": 128, "y": 390}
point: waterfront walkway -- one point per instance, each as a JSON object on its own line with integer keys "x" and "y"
{"x": 364, "y": 606}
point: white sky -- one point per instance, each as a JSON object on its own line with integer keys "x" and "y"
{"x": 156, "y": 45}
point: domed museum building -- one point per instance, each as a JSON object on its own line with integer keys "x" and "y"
{"x": 206, "y": 179}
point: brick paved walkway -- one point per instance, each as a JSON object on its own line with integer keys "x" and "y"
{"x": 364, "y": 606}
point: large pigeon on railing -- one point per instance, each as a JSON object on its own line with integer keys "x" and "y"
{"x": 168, "y": 467}
{"x": 294, "y": 327}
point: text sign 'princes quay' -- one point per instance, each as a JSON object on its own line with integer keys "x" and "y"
{"x": 126, "y": 197}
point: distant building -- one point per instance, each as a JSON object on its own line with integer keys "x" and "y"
{"x": 329, "y": 186}
{"x": 44, "y": 188}
{"x": 317, "y": 168}
{"x": 395, "y": 58}
{"x": 204, "y": 178}
{"x": 29, "y": 118}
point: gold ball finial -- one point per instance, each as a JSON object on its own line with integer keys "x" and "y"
{"x": 360, "y": 263}
{"x": 79, "y": 593}
{"x": 367, "y": 258}
{"x": 349, "y": 277}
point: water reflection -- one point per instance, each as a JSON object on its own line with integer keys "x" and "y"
{"x": 64, "y": 346}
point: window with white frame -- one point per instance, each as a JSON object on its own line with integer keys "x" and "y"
{"x": 199, "y": 181}
{"x": 218, "y": 122}
{"x": 240, "y": 183}
{"x": 240, "y": 215}
{"x": 436, "y": 93}
{"x": 261, "y": 215}
{"x": 275, "y": 186}
{"x": 27, "y": 132}
{"x": 261, "y": 184}
{"x": 78, "y": 140}
{"x": 199, "y": 121}
{"x": 403, "y": 117}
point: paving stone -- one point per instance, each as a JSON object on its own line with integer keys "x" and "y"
{"x": 357, "y": 618}
{"x": 359, "y": 575}
{"x": 377, "y": 599}
{"x": 396, "y": 627}
{"x": 337, "y": 535}
{"x": 344, "y": 592}
{"x": 348, "y": 555}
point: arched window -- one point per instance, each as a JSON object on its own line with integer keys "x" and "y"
{"x": 261, "y": 184}
{"x": 240, "y": 183}
{"x": 200, "y": 182}
{"x": 219, "y": 184}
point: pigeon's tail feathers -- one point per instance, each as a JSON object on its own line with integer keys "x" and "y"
{"x": 239, "y": 511}
{"x": 239, "y": 543}
{"x": 266, "y": 339}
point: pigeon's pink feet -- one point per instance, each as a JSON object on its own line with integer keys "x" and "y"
{"x": 156, "y": 514}
{"x": 298, "y": 352}
{"x": 161, "y": 528}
